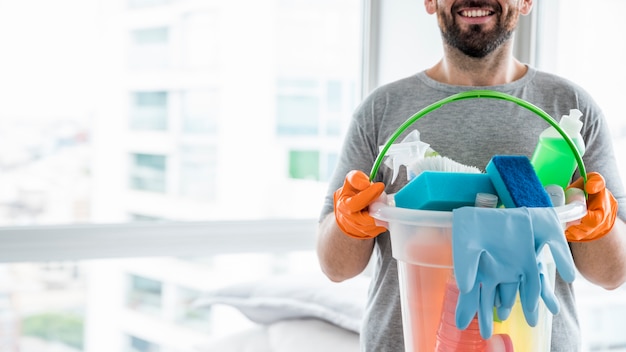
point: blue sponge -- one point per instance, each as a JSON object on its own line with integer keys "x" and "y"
{"x": 445, "y": 191}
{"x": 516, "y": 182}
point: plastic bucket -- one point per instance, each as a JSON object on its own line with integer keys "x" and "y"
{"x": 422, "y": 245}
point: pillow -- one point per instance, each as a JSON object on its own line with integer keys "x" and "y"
{"x": 295, "y": 297}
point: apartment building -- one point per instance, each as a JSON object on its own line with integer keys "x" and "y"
{"x": 210, "y": 110}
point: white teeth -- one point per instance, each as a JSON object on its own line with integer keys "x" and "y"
{"x": 475, "y": 13}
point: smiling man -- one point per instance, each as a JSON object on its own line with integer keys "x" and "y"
{"x": 478, "y": 54}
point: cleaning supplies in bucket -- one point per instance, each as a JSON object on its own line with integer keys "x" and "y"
{"x": 421, "y": 243}
{"x": 495, "y": 250}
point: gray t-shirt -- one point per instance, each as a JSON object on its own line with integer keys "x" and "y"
{"x": 470, "y": 132}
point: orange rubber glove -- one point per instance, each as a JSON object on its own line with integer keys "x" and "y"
{"x": 601, "y": 211}
{"x": 351, "y": 203}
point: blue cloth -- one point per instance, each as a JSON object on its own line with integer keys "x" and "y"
{"x": 495, "y": 256}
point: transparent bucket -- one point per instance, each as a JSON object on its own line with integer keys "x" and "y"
{"x": 422, "y": 245}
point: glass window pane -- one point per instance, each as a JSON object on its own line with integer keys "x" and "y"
{"x": 198, "y": 175}
{"x": 200, "y": 111}
{"x": 151, "y": 36}
{"x": 149, "y": 48}
{"x": 304, "y": 164}
{"x": 149, "y": 111}
{"x": 148, "y": 172}
{"x": 144, "y": 294}
{"x": 334, "y": 96}
{"x": 297, "y": 115}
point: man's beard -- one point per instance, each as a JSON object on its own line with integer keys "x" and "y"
{"x": 477, "y": 42}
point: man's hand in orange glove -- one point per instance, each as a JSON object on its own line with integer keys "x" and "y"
{"x": 601, "y": 211}
{"x": 351, "y": 203}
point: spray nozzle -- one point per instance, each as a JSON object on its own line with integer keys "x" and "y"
{"x": 404, "y": 153}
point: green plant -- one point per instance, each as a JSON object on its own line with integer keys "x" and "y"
{"x": 63, "y": 327}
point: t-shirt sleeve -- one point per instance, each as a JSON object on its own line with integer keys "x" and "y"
{"x": 358, "y": 152}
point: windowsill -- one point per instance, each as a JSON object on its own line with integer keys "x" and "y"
{"x": 98, "y": 241}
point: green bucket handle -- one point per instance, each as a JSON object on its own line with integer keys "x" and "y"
{"x": 479, "y": 94}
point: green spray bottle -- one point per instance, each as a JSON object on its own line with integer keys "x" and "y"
{"x": 553, "y": 159}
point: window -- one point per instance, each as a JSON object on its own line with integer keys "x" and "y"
{"x": 149, "y": 48}
{"x": 334, "y": 96}
{"x": 310, "y": 108}
{"x": 144, "y": 294}
{"x": 297, "y": 114}
{"x": 148, "y": 173}
{"x": 187, "y": 314}
{"x": 311, "y": 165}
{"x": 304, "y": 165}
{"x": 149, "y": 111}
{"x": 201, "y": 109}
{"x": 198, "y": 177}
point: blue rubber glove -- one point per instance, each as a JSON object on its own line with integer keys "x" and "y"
{"x": 547, "y": 292}
{"x": 506, "y": 294}
{"x": 547, "y": 230}
{"x": 505, "y": 299}
{"x": 494, "y": 255}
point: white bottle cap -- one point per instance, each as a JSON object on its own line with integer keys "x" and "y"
{"x": 571, "y": 123}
